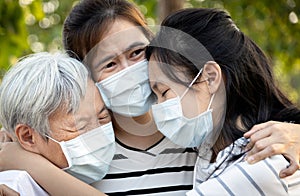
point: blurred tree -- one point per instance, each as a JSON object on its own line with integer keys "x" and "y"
{"x": 13, "y": 32}
{"x": 165, "y": 7}
{"x": 28, "y": 26}
{"x": 35, "y": 25}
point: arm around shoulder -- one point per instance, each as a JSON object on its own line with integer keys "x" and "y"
{"x": 54, "y": 180}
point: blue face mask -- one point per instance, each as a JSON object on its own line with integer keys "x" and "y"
{"x": 186, "y": 132}
{"x": 90, "y": 154}
{"x": 128, "y": 92}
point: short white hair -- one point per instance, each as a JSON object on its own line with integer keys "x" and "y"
{"x": 39, "y": 85}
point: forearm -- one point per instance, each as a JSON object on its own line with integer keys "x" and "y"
{"x": 56, "y": 182}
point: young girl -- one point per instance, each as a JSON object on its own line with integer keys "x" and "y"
{"x": 209, "y": 63}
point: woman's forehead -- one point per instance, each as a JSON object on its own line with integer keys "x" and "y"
{"x": 116, "y": 42}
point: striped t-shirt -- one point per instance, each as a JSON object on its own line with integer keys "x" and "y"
{"x": 164, "y": 169}
{"x": 237, "y": 177}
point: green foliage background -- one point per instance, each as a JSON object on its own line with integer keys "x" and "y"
{"x": 28, "y": 26}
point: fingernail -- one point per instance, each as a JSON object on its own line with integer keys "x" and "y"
{"x": 282, "y": 175}
{"x": 250, "y": 160}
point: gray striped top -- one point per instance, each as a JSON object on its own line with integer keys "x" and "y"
{"x": 237, "y": 177}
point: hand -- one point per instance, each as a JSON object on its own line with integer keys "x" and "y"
{"x": 5, "y": 136}
{"x": 271, "y": 138}
{"x": 6, "y": 191}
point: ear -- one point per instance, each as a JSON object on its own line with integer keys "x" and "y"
{"x": 27, "y": 137}
{"x": 213, "y": 75}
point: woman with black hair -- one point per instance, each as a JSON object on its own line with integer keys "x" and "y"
{"x": 213, "y": 84}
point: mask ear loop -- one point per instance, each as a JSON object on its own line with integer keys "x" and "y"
{"x": 210, "y": 102}
{"x": 191, "y": 84}
{"x": 51, "y": 139}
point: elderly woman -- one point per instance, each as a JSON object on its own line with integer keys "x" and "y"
{"x": 52, "y": 107}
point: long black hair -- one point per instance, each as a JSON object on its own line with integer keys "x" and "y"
{"x": 251, "y": 92}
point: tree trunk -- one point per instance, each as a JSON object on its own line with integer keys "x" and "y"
{"x": 166, "y": 7}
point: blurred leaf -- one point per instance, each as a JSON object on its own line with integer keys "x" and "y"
{"x": 267, "y": 22}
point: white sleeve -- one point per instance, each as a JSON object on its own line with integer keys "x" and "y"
{"x": 244, "y": 179}
{"x": 21, "y": 182}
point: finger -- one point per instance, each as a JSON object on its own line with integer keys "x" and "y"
{"x": 259, "y": 142}
{"x": 262, "y": 137}
{"x": 258, "y": 127}
{"x": 258, "y": 155}
{"x": 249, "y": 146}
{"x": 6, "y": 191}
{"x": 291, "y": 169}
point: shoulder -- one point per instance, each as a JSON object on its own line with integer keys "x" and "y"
{"x": 261, "y": 178}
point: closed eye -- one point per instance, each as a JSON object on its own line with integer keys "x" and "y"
{"x": 104, "y": 116}
{"x": 165, "y": 92}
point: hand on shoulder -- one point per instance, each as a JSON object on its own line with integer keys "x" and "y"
{"x": 271, "y": 138}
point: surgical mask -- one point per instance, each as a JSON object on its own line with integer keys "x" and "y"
{"x": 186, "y": 132}
{"x": 90, "y": 154}
{"x": 128, "y": 92}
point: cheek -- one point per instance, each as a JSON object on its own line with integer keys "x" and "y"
{"x": 194, "y": 103}
{"x": 55, "y": 155}
{"x": 58, "y": 157}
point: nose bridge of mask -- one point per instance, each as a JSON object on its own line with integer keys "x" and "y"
{"x": 91, "y": 140}
{"x": 87, "y": 142}
{"x": 123, "y": 75}
{"x": 118, "y": 83}
{"x": 128, "y": 92}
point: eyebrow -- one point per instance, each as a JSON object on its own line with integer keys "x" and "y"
{"x": 133, "y": 45}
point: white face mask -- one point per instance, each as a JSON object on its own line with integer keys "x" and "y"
{"x": 128, "y": 92}
{"x": 183, "y": 131}
{"x": 90, "y": 154}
